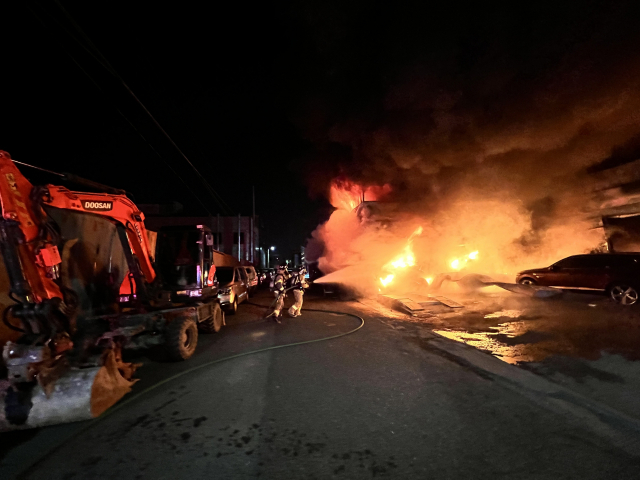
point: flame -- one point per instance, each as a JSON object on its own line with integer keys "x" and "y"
{"x": 387, "y": 280}
{"x": 429, "y": 280}
{"x": 460, "y": 263}
{"x": 347, "y": 195}
{"x": 407, "y": 259}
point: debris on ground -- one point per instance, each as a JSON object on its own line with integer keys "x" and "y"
{"x": 415, "y": 304}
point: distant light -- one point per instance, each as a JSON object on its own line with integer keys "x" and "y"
{"x": 273, "y": 249}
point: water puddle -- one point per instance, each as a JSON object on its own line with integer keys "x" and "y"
{"x": 512, "y": 342}
{"x": 505, "y": 313}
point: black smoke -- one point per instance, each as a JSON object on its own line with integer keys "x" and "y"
{"x": 515, "y": 100}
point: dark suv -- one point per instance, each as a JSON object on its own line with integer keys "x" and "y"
{"x": 617, "y": 274}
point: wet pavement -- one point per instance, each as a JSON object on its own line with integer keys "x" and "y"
{"x": 518, "y": 329}
{"x": 583, "y": 342}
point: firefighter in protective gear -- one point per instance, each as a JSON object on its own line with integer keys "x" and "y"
{"x": 278, "y": 289}
{"x": 298, "y": 285}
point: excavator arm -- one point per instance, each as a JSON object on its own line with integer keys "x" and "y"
{"x": 33, "y": 263}
{"x": 30, "y": 257}
{"x": 117, "y": 208}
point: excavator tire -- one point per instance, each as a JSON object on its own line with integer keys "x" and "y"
{"x": 213, "y": 324}
{"x": 181, "y": 338}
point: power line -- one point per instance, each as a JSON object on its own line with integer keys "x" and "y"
{"x": 88, "y": 46}
{"x": 124, "y": 116}
{"x": 103, "y": 60}
{"x": 38, "y": 168}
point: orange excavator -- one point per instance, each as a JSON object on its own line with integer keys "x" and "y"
{"x": 82, "y": 273}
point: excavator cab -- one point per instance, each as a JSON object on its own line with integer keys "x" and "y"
{"x": 184, "y": 264}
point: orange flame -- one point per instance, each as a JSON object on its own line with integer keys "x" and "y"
{"x": 387, "y": 280}
{"x": 460, "y": 263}
{"x": 347, "y": 195}
{"x": 407, "y": 259}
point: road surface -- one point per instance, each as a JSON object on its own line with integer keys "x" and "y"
{"x": 389, "y": 401}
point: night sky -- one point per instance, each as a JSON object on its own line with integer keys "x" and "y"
{"x": 218, "y": 81}
{"x": 287, "y": 96}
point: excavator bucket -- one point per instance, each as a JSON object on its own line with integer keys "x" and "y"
{"x": 79, "y": 394}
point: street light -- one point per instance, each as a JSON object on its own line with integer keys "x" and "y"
{"x": 272, "y": 249}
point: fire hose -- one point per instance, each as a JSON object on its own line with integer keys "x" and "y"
{"x": 92, "y": 423}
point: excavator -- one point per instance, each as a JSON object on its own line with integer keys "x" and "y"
{"x": 85, "y": 284}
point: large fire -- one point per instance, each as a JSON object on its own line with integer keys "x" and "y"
{"x": 467, "y": 235}
{"x": 408, "y": 259}
{"x": 347, "y": 195}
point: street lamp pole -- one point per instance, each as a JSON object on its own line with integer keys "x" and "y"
{"x": 273, "y": 249}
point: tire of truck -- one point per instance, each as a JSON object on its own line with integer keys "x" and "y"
{"x": 213, "y": 324}
{"x": 181, "y": 338}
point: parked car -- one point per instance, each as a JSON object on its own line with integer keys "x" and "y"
{"x": 617, "y": 274}
{"x": 252, "y": 279}
{"x": 233, "y": 288}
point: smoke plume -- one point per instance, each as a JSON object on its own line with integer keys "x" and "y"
{"x": 486, "y": 125}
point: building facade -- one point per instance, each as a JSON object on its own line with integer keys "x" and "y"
{"x": 238, "y": 236}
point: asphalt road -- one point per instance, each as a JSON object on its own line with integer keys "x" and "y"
{"x": 388, "y": 401}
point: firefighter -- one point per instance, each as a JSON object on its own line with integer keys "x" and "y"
{"x": 278, "y": 288}
{"x": 298, "y": 284}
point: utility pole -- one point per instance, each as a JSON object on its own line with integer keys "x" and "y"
{"x": 218, "y": 234}
{"x": 253, "y": 222}
{"x": 239, "y": 237}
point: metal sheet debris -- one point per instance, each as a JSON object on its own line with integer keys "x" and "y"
{"x": 446, "y": 301}
{"x": 415, "y": 304}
